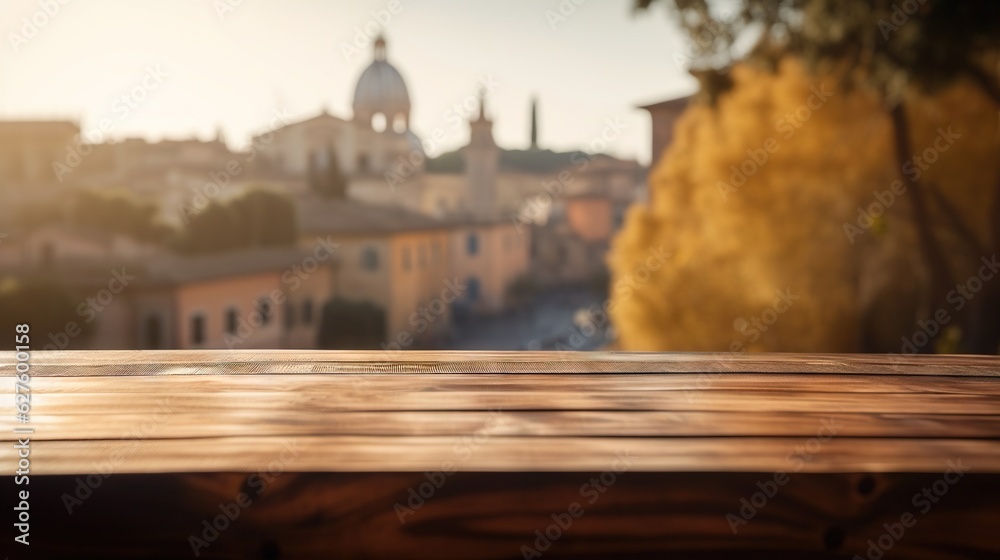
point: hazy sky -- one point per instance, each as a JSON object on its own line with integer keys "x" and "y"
{"x": 203, "y": 70}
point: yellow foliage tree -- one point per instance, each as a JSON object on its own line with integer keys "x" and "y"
{"x": 769, "y": 203}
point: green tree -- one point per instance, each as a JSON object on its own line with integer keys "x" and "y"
{"x": 118, "y": 212}
{"x": 257, "y": 218}
{"x": 44, "y": 304}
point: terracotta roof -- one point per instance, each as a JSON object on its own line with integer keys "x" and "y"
{"x": 173, "y": 269}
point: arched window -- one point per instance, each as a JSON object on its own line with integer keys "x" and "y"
{"x": 232, "y": 316}
{"x": 399, "y": 123}
{"x": 154, "y": 332}
{"x": 307, "y": 311}
{"x": 369, "y": 259}
{"x": 264, "y": 306}
{"x": 474, "y": 289}
{"x": 198, "y": 329}
{"x": 472, "y": 244}
{"x": 378, "y": 122}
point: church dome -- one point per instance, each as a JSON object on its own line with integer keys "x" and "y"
{"x": 381, "y": 90}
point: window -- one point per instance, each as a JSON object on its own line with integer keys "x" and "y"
{"x": 154, "y": 332}
{"x": 232, "y": 317}
{"x": 198, "y": 329}
{"x": 289, "y": 316}
{"x": 362, "y": 163}
{"x": 474, "y": 289}
{"x": 472, "y": 244}
{"x": 378, "y": 122}
{"x": 422, "y": 255}
{"x": 264, "y": 306}
{"x": 369, "y": 259}
{"x": 406, "y": 257}
{"x": 307, "y": 312}
{"x": 399, "y": 123}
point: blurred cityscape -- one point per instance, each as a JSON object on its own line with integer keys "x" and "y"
{"x": 336, "y": 231}
{"x": 652, "y": 175}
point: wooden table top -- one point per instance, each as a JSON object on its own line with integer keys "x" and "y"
{"x": 240, "y": 411}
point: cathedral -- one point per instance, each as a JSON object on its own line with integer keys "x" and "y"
{"x": 384, "y": 161}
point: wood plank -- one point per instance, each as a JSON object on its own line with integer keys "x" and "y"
{"x": 501, "y": 453}
{"x": 236, "y": 422}
{"x": 371, "y": 400}
{"x": 420, "y": 382}
{"x": 722, "y": 421}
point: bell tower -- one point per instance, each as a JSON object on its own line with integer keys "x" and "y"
{"x": 482, "y": 160}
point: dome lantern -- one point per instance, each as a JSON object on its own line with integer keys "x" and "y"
{"x": 381, "y": 90}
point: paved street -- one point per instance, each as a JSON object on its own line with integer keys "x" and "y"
{"x": 546, "y": 325}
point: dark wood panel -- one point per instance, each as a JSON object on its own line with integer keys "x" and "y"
{"x": 494, "y": 515}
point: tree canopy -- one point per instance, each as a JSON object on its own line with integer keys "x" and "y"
{"x": 906, "y": 80}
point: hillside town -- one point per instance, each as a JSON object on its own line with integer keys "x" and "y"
{"x": 328, "y": 232}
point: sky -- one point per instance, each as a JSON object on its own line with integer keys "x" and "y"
{"x": 186, "y": 68}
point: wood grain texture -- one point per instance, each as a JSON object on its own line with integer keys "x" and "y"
{"x": 493, "y": 515}
{"x": 233, "y": 411}
{"x": 134, "y": 451}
